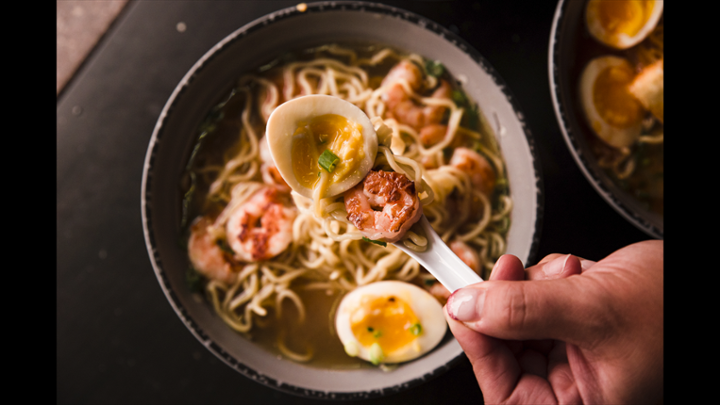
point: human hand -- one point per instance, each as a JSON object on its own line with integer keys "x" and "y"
{"x": 566, "y": 330}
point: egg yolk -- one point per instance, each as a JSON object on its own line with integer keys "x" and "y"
{"x": 386, "y": 320}
{"x": 621, "y": 17}
{"x": 331, "y": 132}
{"x": 612, "y": 98}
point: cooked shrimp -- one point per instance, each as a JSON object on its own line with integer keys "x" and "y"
{"x": 432, "y": 134}
{"x": 405, "y": 70}
{"x": 433, "y": 113}
{"x": 467, "y": 254}
{"x": 477, "y": 167}
{"x": 399, "y": 103}
{"x": 205, "y": 254}
{"x": 439, "y": 291}
{"x": 268, "y": 169}
{"x": 396, "y": 199}
{"x": 261, "y": 227}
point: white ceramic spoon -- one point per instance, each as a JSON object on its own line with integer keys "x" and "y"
{"x": 439, "y": 260}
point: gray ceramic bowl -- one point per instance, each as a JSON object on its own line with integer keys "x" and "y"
{"x": 570, "y": 48}
{"x": 206, "y": 83}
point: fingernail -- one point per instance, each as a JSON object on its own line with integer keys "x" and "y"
{"x": 466, "y": 304}
{"x": 555, "y": 267}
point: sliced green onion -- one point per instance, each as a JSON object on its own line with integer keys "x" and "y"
{"x": 351, "y": 348}
{"x": 377, "y": 334}
{"x": 328, "y": 160}
{"x": 416, "y": 329}
{"x": 376, "y": 354}
{"x": 377, "y": 242}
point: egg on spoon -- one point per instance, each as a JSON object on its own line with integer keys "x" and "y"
{"x": 621, "y": 24}
{"x": 389, "y": 322}
{"x": 322, "y": 145}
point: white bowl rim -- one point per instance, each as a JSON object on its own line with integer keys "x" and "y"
{"x": 290, "y": 12}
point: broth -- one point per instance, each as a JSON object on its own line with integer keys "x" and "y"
{"x": 483, "y": 221}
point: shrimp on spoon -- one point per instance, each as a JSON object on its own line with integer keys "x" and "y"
{"x": 333, "y": 138}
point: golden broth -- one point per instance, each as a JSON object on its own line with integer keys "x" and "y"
{"x": 219, "y": 143}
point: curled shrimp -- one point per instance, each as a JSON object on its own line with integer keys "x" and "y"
{"x": 467, "y": 254}
{"x": 383, "y": 206}
{"x": 268, "y": 169}
{"x": 261, "y": 228}
{"x": 432, "y": 134}
{"x": 482, "y": 175}
{"x": 206, "y": 255}
{"x": 401, "y": 105}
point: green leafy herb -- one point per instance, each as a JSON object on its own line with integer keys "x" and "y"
{"x": 434, "y": 68}
{"x": 195, "y": 281}
{"x": 459, "y": 97}
{"x": 472, "y": 118}
{"x": 187, "y": 200}
{"x": 416, "y": 329}
{"x": 377, "y": 242}
{"x": 224, "y": 246}
{"x": 208, "y": 126}
{"x": 328, "y": 160}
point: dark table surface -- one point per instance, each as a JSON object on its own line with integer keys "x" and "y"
{"x": 118, "y": 339}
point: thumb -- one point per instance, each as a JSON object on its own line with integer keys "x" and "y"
{"x": 570, "y": 309}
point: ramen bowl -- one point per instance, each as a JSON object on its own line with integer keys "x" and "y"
{"x": 204, "y": 86}
{"x": 571, "y": 47}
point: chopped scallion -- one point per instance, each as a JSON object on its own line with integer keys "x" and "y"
{"x": 377, "y": 242}
{"x": 376, "y": 354}
{"x": 416, "y": 329}
{"x": 328, "y": 160}
{"x": 351, "y": 348}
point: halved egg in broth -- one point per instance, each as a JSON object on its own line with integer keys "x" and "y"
{"x": 612, "y": 112}
{"x": 621, "y": 24}
{"x": 315, "y": 133}
{"x": 389, "y": 322}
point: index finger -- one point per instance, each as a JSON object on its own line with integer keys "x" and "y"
{"x": 555, "y": 266}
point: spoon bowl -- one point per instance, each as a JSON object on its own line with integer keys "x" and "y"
{"x": 440, "y": 261}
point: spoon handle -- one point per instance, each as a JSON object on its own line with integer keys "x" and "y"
{"x": 442, "y": 262}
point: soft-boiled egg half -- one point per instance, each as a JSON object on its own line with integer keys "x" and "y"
{"x": 612, "y": 112}
{"x": 621, "y": 24}
{"x": 315, "y": 133}
{"x": 389, "y": 322}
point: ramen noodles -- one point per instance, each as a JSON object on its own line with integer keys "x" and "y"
{"x": 273, "y": 269}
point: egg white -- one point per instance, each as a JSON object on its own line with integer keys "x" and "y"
{"x": 620, "y": 40}
{"x": 427, "y": 309}
{"x": 612, "y": 135}
{"x": 283, "y": 122}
